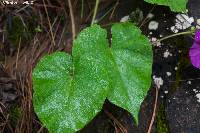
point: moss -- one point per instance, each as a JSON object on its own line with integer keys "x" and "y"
{"x": 17, "y": 30}
{"x": 184, "y": 62}
{"x": 15, "y": 114}
{"x": 136, "y": 16}
{"x": 161, "y": 122}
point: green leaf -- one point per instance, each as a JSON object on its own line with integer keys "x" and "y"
{"x": 70, "y": 91}
{"x": 175, "y": 5}
{"x": 132, "y": 65}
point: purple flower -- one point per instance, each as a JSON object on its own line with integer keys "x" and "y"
{"x": 195, "y": 50}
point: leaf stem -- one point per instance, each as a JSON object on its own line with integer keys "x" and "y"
{"x": 177, "y": 34}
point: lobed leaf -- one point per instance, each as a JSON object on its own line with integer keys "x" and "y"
{"x": 132, "y": 62}
{"x": 70, "y": 90}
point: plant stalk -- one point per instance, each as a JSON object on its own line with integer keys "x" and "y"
{"x": 178, "y": 34}
{"x": 95, "y": 11}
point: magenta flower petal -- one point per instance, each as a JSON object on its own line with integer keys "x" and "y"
{"x": 197, "y": 36}
{"x": 194, "y": 52}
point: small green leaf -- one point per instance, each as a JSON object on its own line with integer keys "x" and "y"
{"x": 38, "y": 29}
{"x": 70, "y": 91}
{"x": 175, "y": 5}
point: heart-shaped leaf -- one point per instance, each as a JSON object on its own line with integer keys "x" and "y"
{"x": 175, "y": 5}
{"x": 131, "y": 70}
{"x": 70, "y": 91}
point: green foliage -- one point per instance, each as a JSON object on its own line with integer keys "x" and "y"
{"x": 70, "y": 90}
{"x": 175, "y": 5}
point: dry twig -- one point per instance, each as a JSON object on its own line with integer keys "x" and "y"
{"x": 121, "y": 127}
{"x": 50, "y": 26}
{"x": 154, "y": 112}
{"x": 72, "y": 19}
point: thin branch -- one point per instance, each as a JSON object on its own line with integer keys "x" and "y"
{"x": 114, "y": 8}
{"x": 146, "y": 18}
{"x": 121, "y": 127}
{"x": 82, "y": 8}
{"x": 51, "y": 32}
{"x": 72, "y": 19}
{"x": 17, "y": 58}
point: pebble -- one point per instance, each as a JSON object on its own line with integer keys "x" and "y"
{"x": 168, "y": 74}
{"x": 198, "y": 96}
{"x": 195, "y": 90}
{"x": 173, "y": 29}
{"x": 153, "y": 25}
{"x": 182, "y": 22}
{"x": 166, "y": 54}
{"x": 189, "y": 82}
{"x": 150, "y": 15}
{"x": 125, "y": 18}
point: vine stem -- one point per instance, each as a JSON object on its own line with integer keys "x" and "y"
{"x": 154, "y": 112}
{"x": 95, "y": 11}
{"x": 177, "y": 34}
